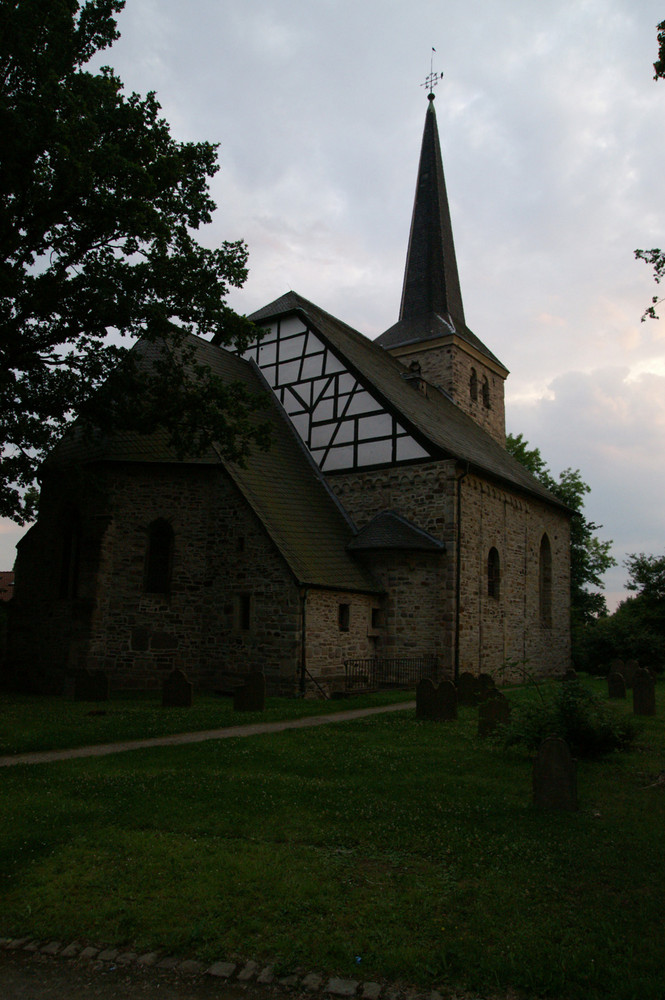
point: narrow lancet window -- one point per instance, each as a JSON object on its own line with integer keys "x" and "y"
{"x": 545, "y": 587}
{"x": 159, "y": 558}
{"x": 493, "y": 574}
{"x": 71, "y": 551}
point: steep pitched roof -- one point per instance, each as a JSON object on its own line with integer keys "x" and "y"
{"x": 431, "y": 304}
{"x": 435, "y": 421}
{"x": 389, "y": 530}
{"x": 282, "y": 485}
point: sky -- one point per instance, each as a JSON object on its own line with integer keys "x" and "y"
{"x": 553, "y": 139}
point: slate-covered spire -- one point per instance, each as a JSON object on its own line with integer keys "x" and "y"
{"x": 431, "y": 297}
{"x": 431, "y": 281}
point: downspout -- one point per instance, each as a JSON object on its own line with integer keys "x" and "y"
{"x": 303, "y": 640}
{"x": 458, "y": 573}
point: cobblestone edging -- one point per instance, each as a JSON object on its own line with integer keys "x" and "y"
{"x": 237, "y": 972}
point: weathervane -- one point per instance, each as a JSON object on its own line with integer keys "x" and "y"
{"x": 431, "y": 79}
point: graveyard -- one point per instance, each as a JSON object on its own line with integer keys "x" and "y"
{"x": 402, "y": 848}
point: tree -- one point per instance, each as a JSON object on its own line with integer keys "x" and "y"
{"x": 636, "y": 630}
{"x": 589, "y": 557}
{"x": 656, "y": 257}
{"x": 646, "y": 576}
{"x": 98, "y": 210}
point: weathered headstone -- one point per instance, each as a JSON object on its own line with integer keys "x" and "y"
{"x": 492, "y": 713}
{"x": 485, "y": 686}
{"x": 90, "y": 685}
{"x": 436, "y": 703}
{"x": 426, "y": 702}
{"x": 644, "y": 693}
{"x": 619, "y": 667}
{"x": 616, "y": 685}
{"x": 177, "y": 690}
{"x": 251, "y": 697}
{"x": 447, "y": 697}
{"x": 554, "y": 776}
{"x": 467, "y": 687}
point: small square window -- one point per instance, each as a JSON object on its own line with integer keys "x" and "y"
{"x": 344, "y": 617}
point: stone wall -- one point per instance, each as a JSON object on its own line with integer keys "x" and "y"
{"x": 232, "y": 605}
{"x": 222, "y": 557}
{"x": 493, "y": 631}
{"x": 334, "y": 636}
{"x": 509, "y": 628}
{"x": 449, "y": 366}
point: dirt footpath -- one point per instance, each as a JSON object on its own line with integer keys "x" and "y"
{"x": 40, "y": 977}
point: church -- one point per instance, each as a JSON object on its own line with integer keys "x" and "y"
{"x": 386, "y": 520}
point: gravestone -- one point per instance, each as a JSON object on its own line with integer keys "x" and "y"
{"x": 644, "y": 693}
{"x": 618, "y": 667}
{"x": 426, "y": 703}
{"x": 177, "y": 690}
{"x": 251, "y": 697}
{"x": 90, "y": 685}
{"x": 485, "y": 687}
{"x": 436, "y": 704}
{"x": 616, "y": 685}
{"x": 467, "y": 687}
{"x": 492, "y": 713}
{"x": 554, "y": 776}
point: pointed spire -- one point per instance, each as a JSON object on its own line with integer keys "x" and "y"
{"x": 431, "y": 295}
{"x": 431, "y": 281}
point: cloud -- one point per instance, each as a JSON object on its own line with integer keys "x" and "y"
{"x": 609, "y": 424}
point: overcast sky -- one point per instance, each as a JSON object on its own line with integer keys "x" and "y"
{"x": 553, "y": 139}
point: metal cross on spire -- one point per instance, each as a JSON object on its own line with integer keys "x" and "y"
{"x": 431, "y": 79}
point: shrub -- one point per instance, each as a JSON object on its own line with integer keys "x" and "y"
{"x": 577, "y": 715}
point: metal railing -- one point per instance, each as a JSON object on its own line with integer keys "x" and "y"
{"x": 391, "y": 672}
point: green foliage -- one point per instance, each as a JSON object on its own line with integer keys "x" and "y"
{"x": 98, "y": 210}
{"x": 655, "y": 257}
{"x": 589, "y": 557}
{"x": 576, "y": 714}
{"x": 659, "y": 65}
{"x": 636, "y": 630}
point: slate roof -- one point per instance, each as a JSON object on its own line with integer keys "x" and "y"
{"x": 431, "y": 305}
{"x": 434, "y": 420}
{"x": 389, "y": 530}
{"x": 282, "y": 485}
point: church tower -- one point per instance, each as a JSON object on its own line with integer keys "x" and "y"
{"x": 431, "y": 334}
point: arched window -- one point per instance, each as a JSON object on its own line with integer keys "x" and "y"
{"x": 545, "y": 584}
{"x": 493, "y": 574}
{"x": 70, "y": 554}
{"x": 159, "y": 558}
{"x": 486, "y": 393}
{"x": 473, "y": 385}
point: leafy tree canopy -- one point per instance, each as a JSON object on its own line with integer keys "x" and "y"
{"x": 98, "y": 210}
{"x": 646, "y": 576}
{"x": 656, "y": 257}
{"x": 589, "y": 557}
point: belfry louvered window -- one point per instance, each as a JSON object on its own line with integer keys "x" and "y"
{"x": 340, "y": 420}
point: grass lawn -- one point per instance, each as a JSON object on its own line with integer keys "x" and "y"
{"x": 30, "y": 723}
{"x": 378, "y": 848}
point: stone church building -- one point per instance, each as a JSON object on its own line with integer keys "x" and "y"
{"x": 386, "y": 520}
